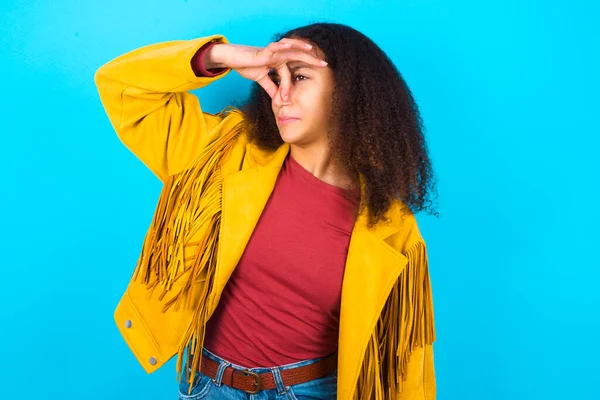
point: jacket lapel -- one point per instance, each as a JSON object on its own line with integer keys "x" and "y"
{"x": 372, "y": 269}
{"x": 245, "y": 194}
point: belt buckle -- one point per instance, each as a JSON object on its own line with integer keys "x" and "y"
{"x": 257, "y": 382}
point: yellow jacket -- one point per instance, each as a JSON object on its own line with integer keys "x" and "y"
{"x": 386, "y": 322}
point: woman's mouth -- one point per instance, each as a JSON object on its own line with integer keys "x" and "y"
{"x": 286, "y": 120}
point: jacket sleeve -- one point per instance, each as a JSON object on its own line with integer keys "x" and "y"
{"x": 145, "y": 94}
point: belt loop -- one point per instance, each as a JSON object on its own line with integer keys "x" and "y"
{"x": 281, "y": 389}
{"x": 219, "y": 378}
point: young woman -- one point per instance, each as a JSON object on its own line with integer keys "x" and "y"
{"x": 284, "y": 260}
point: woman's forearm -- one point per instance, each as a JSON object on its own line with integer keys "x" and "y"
{"x": 215, "y": 57}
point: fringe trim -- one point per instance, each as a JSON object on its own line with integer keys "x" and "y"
{"x": 406, "y": 322}
{"x": 189, "y": 202}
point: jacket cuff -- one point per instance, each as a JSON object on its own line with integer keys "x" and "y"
{"x": 198, "y": 64}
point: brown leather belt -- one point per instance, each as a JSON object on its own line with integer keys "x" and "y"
{"x": 251, "y": 382}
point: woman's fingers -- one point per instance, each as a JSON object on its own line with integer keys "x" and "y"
{"x": 268, "y": 85}
{"x": 264, "y": 56}
{"x": 285, "y": 81}
{"x": 297, "y": 44}
{"x": 287, "y": 44}
{"x": 303, "y": 51}
{"x": 287, "y": 50}
{"x": 287, "y": 56}
{"x": 277, "y": 46}
{"x": 277, "y": 55}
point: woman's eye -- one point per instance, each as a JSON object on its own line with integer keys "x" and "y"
{"x": 277, "y": 81}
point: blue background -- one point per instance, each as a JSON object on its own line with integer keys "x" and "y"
{"x": 509, "y": 94}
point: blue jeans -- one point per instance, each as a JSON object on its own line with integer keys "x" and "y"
{"x": 206, "y": 388}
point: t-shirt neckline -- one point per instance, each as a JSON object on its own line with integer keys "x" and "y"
{"x": 306, "y": 175}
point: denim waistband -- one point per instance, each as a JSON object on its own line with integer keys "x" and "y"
{"x": 275, "y": 370}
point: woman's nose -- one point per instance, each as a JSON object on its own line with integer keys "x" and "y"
{"x": 278, "y": 98}
{"x": 284, "y": 91}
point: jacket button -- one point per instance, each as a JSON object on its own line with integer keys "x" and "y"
{"x": 128, "y": 323}
{"x": 152, "y": 361}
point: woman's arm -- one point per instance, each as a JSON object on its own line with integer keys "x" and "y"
{"x": 145, "y": 95}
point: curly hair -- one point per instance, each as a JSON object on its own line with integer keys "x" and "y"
{"x": 382, "y": 142}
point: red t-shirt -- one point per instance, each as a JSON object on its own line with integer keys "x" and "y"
{"x": 282, "y": 303}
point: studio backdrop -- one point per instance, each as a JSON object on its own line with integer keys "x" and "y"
{"x": 508, "y": 92}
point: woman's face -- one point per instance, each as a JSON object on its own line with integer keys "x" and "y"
{"x": 304, "y": 119}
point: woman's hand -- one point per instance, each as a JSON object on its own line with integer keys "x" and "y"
{"x": 254, "y": 63}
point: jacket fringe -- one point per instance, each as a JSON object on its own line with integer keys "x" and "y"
{"x": 190, "y": 202}
{"x": 406, "y": 322}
